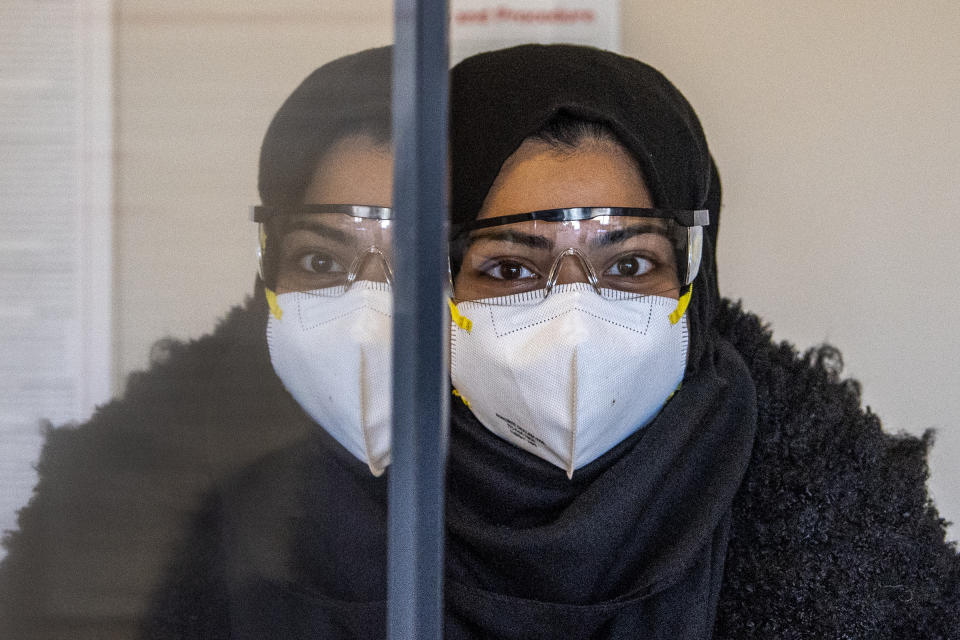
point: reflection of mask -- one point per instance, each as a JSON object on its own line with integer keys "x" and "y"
{"x": 333, "y": 355}
{"x": 569, "y": 377}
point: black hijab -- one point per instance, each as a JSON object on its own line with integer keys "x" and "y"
{"x": 633, "y": 545}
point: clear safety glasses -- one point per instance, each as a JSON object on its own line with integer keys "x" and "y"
{"x": 621, "y": 252}
{"x": 324, "y": 249}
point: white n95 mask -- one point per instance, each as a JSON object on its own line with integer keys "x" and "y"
{"x": 333, "y": 354}
{"x": 569, "y": 376}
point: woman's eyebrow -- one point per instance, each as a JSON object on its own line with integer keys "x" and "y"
{"x": 622, "y": 235}
{"x": 516, "y": 237}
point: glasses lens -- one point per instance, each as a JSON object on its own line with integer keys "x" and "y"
{"x": 326, "y": 253}
{"x": 619, "y": 256}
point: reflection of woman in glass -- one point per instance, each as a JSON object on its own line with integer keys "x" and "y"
{"x": 116, "y": 494}
{"x": 295, "y": 544}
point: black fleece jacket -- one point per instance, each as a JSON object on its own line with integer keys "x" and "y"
{"x": 833, "y": 534}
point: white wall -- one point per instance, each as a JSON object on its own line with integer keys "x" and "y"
{"x": 836, "y": 128}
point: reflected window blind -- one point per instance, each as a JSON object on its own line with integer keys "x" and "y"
{"x": 55, "y": 220}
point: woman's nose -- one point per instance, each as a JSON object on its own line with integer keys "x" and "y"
{"x": 374, "y": 267}
{"x": 572, "y": 269}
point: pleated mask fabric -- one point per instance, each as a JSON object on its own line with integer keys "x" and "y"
{"x": 334, "y": 356}
{"x": 559, "y": 375}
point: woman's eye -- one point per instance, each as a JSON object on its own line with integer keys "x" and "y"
{"x": 320, "y": 263}
{"x": 508, "y": 270}
{"x": 629, "y": 266}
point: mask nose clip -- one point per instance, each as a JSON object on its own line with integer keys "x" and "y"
{"x": 369, "y": 257}
{"x": 585, "y": 266}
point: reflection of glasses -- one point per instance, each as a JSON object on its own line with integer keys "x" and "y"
{"x": 622, "y": 252}
{"x": 324, "y": 249}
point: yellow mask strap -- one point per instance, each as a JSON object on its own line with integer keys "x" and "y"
{"x": 674, "y": 392}
{"x": 461, "y": 321}
{"x": 682, "y": 305}
{"x": 274, "y": 305}
{"x": 457, "y": 394}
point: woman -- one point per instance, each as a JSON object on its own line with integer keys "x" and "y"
{"x": 754, "y": 499}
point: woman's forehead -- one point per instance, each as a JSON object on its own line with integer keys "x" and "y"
{"x": 355, "y": 170}
{"x": 540, "y": 176}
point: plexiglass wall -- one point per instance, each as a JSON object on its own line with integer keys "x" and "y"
{"x": 203, "y": 498}
{"x": 202, "y": 274}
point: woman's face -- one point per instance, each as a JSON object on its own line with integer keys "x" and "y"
{"x": 598, "y": 173}
{"x": 317, "y": 250}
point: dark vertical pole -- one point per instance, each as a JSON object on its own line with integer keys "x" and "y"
{"x": 420, "y": 324}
